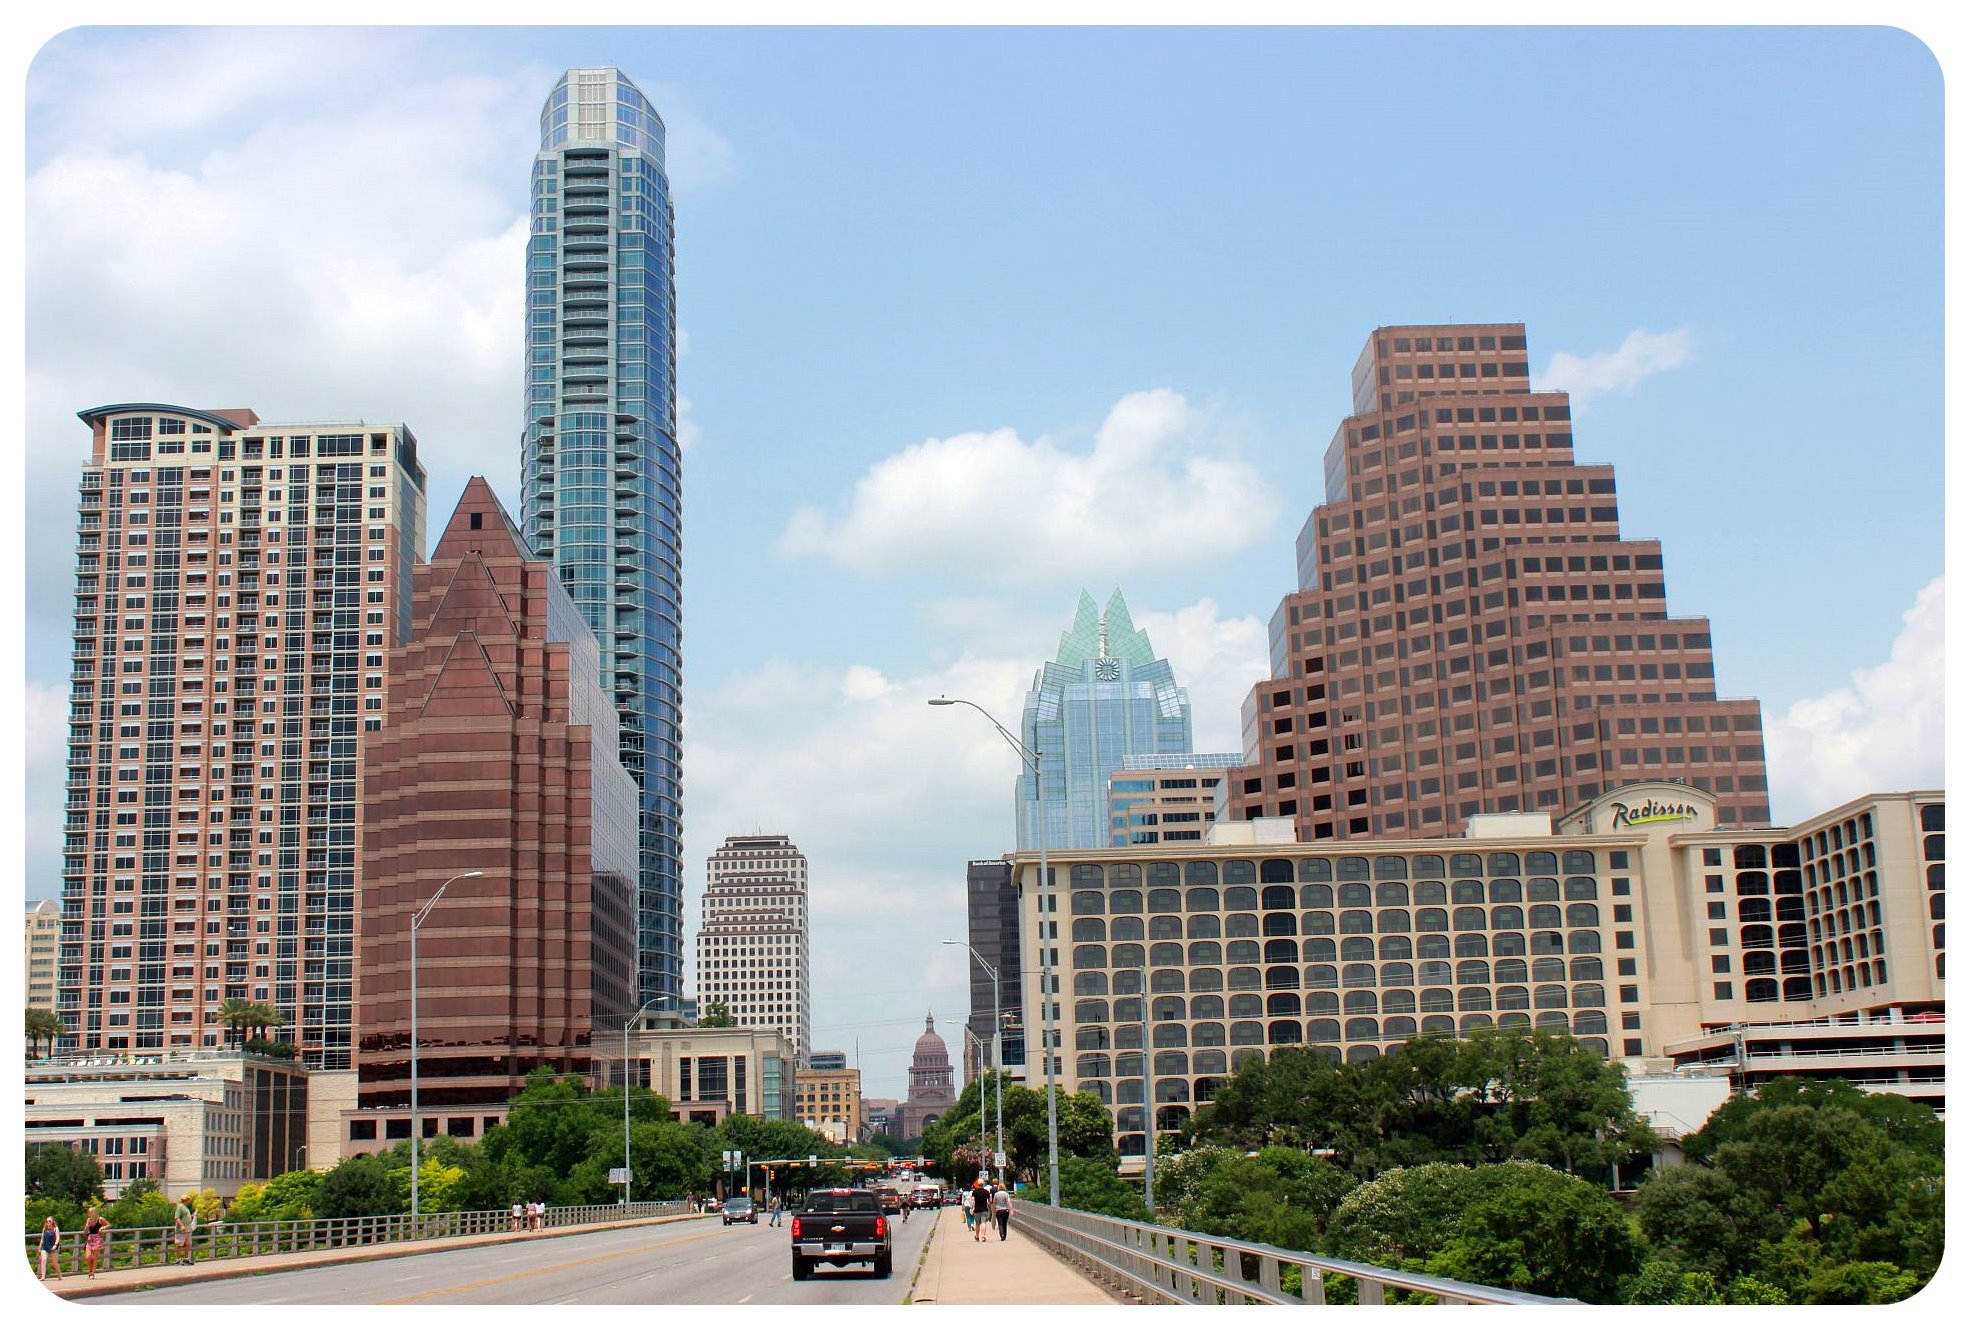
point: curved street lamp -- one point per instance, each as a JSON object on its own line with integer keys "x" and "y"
{"x": 998, "y": 1046}
{"x": 416, "y": 1122}
{"x": 625, "y": 1092}
{"x": 1032, "y": 761}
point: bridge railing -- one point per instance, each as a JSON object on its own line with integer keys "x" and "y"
{"x": 128, "y": 1248}
{"x": 1175, "y": 1266}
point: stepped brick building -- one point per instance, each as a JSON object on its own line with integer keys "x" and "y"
{"x": 500, "y": 757}
{"x": 1472, "y": 632}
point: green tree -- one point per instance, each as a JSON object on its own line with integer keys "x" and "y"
{"x": 142, "y": 1205}
{"x": 363, "y": 1185}
{"x": 68, "y": 1215}
{"x": 236, "y": 1015}
{"x": 1861, "y": 1283}
{"x": 291, "y": 1195}
{"x": 56, "y": 1172}
{"x": 716, "y": 1016}
{"x": 1089, "y": 1184}
{"x": 1531, "y": 1227}
{"x": 43, "y": 1024}
{"x": 1402, "y": 1217}
{"x": 1700, "y": 1220}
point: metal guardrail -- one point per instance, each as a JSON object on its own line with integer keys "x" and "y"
{"x": 1175, "y": 1266}
{"x": 133, "y": 1247}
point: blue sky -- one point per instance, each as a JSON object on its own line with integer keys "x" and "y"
{"x": 976, "y": 318}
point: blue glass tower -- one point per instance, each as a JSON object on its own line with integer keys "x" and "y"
{"x": 600, "y": 479}
{"x": 1104, "y": 696}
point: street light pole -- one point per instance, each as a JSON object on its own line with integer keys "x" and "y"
{"x": 625, "y": 1092}
{"x": 416, "y": 1120}
{"x": 1032, "y": 760}
{"x": 998, "y": 1045}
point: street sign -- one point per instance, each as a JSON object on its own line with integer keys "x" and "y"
{"x": 618, "y": 1175}
{"x": 998, "y": 1159}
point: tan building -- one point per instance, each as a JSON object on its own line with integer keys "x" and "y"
{"x": 710, "y": 1074}
{"x": 191, "y": 1121}
{"x": 830, "y": 1102}
{"x": 44, "y": 936}
{"x": 1472, "y": 631}
{"x": 238, "y": 585}
{"x": 1634, "y": 922}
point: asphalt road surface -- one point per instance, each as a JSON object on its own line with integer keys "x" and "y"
{"x": 701, "y": 1262}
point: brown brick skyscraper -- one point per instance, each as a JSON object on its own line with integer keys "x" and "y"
{"x": 500, "y": 756}
{"x": 1472, "y": 632}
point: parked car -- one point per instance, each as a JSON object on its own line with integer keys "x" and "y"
{"x": 840, "y": 1226}
{"x": 739, "y": 1210}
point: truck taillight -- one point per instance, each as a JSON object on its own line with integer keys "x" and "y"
{"x": 796, "y": 1228}
{"x": 882, "y": 1227}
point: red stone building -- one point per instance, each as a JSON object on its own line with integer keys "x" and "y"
{"x": 499, "y": 756}
{"x": 1472, "y": 631}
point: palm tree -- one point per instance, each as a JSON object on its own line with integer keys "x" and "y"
{"x": 43, "y": 1024}
{"x": 261, "y": 1015}
{"x": 237, "y": 1015}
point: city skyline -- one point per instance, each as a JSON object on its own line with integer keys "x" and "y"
{"x": 838, "y": 579}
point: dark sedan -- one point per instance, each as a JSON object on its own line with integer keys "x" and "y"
{"x": 738, "y": 1210}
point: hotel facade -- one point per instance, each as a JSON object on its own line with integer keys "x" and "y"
{"x": 1636, "y": 922}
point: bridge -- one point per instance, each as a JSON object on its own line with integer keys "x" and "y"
{"x": 590, "y": 1256}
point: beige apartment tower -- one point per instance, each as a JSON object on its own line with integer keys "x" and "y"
{"x": 1472, "y": 631}
{"x": 752, "y": 947}
{"x": 238, "y": 586}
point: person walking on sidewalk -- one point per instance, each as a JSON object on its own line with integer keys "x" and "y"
{"x": 51, "y": 1240}
{"x": 1002, "y": 1210}
{"x": 183, "y": 1220}
{"x": 981, "y": 1210}
{"x": 95, "y": 1236}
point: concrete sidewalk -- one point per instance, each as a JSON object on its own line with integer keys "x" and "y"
{"x": 960, "y": 1272}
{"x": 75, "y": 1284}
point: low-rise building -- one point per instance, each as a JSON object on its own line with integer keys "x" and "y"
{"x": 193, "y": 1121}
{"x": 830, "y": 1102}
{"x": 708, "y": 1074}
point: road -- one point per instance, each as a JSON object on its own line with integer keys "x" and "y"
{"x": 700, "y": 1262}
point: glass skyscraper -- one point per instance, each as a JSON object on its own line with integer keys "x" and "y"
{"x": 600, "y": 479}
{"x": 1104, "y": 696}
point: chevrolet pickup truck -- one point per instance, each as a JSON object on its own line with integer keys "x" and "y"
{"x": 840, "y": 1226}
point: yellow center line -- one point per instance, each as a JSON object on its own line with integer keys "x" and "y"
{"x": 540, "y": 1270}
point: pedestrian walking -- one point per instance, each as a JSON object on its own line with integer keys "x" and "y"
{"x": 95, "y": 1237}
{"x": 981, "y": 1210}
{"x": 51, "y": 1244}
{"x": 773, "y": 1212}
{"x": 183, "y": 1220}
{"x": 1002, "y": 1210}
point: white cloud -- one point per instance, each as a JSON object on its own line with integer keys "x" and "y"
{"x": 1640, "y": 355}
{"x": 1882, "y": 732}
{"x": 1217, "y": 660}
{"x": 1154, "y": 491}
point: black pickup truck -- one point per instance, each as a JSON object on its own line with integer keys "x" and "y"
{"x": 840, "y": 1226}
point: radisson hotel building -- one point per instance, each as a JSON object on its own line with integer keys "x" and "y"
{"x": 1634, "y": 921}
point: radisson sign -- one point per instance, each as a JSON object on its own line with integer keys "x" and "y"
{"x": 1650, "y": 810}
